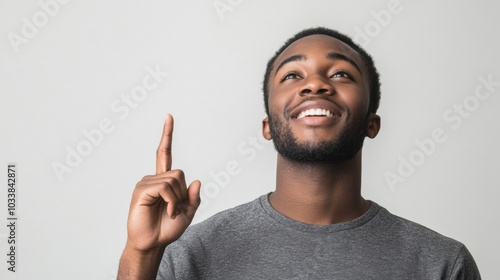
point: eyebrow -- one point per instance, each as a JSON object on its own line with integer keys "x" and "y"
{"x": 297, "y": 57}
{"x": 330, "y": 56}
{"x": 338, "y": 56}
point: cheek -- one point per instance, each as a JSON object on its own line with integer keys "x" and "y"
{"x": 356, "y": 99}
{"x": 278, "y": 102}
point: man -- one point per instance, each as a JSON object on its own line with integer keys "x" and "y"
{"x": 321, "y": 93}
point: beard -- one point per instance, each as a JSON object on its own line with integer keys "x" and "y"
{"x": 344, "y": 147}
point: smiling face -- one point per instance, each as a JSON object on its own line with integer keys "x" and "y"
{"x": 318, "y": 101}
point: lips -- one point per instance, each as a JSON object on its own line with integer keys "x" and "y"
{"x": 316, "y": 108}
{"x": 315, "y": 112}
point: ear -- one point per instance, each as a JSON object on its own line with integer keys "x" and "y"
{"x": 373, "y": 125}
{"x": 266, "y": 132}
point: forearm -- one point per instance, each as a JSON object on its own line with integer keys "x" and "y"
{"x": 136, "y": 265}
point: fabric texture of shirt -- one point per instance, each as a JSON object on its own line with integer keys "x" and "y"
{"x": 254, "y": 241}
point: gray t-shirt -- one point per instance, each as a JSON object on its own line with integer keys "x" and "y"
{"x": 254, "y": 241}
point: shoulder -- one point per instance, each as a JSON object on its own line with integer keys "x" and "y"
{"x": 415, "y": 233}
{"x": 429, "y": 247}
{"x": 423, "y": 241}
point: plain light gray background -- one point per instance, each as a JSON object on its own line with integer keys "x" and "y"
{"x": 77, "y": 62}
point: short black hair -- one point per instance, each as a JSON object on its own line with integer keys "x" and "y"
{"x": 374, "y": 79}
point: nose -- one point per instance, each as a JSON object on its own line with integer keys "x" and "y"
{"x": 316, "y": 84}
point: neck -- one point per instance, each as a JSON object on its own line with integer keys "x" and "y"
{"x": 319, "y": 193}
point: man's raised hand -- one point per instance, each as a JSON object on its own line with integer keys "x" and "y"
{"x": 162, "y": 205}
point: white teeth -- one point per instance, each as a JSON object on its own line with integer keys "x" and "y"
{"x": 315, "y": 112}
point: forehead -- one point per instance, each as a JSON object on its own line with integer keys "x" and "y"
{"x": 319, "y": 45}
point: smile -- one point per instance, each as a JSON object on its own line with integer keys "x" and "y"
{"x": 315, "y": 112}
{"x": 316, "y": 109}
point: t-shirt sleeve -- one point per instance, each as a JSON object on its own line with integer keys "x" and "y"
{"x": 465, "y": 267}
{"x": 165, "y": 271}
{"x": 179, "y": 261}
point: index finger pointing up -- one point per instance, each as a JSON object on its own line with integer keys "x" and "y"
{"x": 164, "y": 152}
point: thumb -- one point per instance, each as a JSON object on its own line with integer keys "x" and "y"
{"x": 194, "y": 199}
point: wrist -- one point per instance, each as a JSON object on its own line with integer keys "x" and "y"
{"x": 140, "y": 264}
{"x": 132, "y": 250}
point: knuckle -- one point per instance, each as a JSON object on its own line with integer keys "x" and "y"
{"x": 170, "y": 181}
{"x": 164, "y": 186}
{"x": 139, "y": 184}
{"x": 145, "y": 178}
{"x": 178, "y": 173}
{"x": 160, "y": 151}
{"x": 169, "y": 187}
{"x": 138, "y": 190}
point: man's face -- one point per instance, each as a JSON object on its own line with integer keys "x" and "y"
{"x": 318, "y": 101}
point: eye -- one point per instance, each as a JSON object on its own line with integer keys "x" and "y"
{"x": 290, "y": 76}
{"x": 341, "y": 74}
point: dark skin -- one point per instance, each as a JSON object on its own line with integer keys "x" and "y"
{"x": 319, "y": 193}
{"x": 163, "y": 205}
